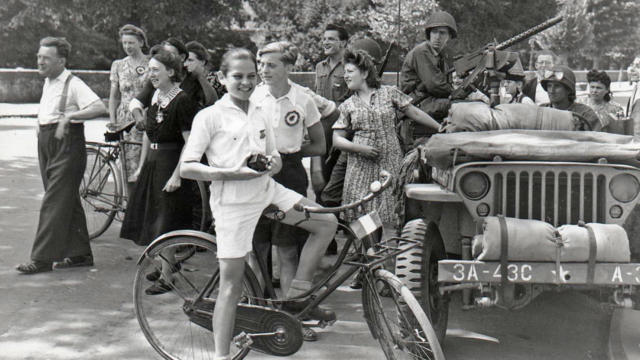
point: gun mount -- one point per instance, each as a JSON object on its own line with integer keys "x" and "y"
{"x": 484, "y": 68}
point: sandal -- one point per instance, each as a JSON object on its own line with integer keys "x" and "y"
{"x": 34, "y": 267}
{"x": 159, "y": 287}
{"x": 76, "y": 261}
{"x": 155, "y": 274}
{"x": 308, "y": 334}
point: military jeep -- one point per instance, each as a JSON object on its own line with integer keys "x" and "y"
{"x": 556, "y": 177}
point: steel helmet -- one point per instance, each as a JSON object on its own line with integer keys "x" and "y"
{"x": 563, "y": 75}
{"x": 369, "y": 46}
{"x": 442, "y": 18}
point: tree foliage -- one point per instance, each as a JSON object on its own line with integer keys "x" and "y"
{"x": 600, "y": 32}
{"x": 92, "y": 26}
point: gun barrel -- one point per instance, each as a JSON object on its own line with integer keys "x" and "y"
{"x": 529, "y": 33}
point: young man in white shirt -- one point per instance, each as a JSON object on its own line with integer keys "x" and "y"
{"x": 291, "y": 111}
{"x": 62, "y": 239}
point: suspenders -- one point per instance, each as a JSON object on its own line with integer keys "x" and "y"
{"x": 65, "y": 91}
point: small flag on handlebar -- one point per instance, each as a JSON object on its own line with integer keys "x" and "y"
{"x": 366, "y": 225}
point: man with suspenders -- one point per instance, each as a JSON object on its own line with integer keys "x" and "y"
{"x": 62, "y": 239}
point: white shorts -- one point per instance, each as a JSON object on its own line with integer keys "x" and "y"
{"x": 236, "y": 223}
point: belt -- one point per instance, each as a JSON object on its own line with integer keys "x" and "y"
{"x": 165, "y": 146}
{"x": 55, "y": 125}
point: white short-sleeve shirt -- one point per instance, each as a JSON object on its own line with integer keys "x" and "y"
{"x": 289, "y": 115}
{"x": 79, "y": 96}
{"x": 228, "y": 136}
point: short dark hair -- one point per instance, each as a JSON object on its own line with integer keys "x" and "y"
{"x": 176, "y": 43}
{"x": 61, "y": 44}
{"x": 364, "y": 62}
{"x": 342, "y": 32}
{"x": 601, "y": 77}
{"x": 201, "y": 52}
{"x": 236, "y": 54}
{"x": 171, "y": 61}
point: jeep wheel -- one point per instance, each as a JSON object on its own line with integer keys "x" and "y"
{"x": 418, "y": 270}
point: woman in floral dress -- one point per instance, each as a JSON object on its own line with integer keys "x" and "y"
{"x": 369, "y": 114}
{"x": 128, "y": 76}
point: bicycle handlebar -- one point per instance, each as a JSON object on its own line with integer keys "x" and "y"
{"x": 386, "y": 182}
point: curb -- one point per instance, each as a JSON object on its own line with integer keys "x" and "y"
{"x": 624, "y": 335}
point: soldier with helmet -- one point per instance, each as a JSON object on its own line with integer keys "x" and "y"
{"x": 425, "y": 71}
{"x": 561, "y": 87}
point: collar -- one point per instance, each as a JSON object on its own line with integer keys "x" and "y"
{"x": 61, "y": 78}
{"x": 432, "y": 50}
{"x": 327, "y": 64}
{"x": 226, "y": 102}
{"x": 266, "y": 93}
{"x": 166, "y": 99}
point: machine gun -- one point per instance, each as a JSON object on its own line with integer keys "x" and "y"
{"x": 484, "y": 68}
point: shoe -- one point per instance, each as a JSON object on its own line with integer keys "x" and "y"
{"x": 308, "y": 334}
{"x": 316, "y": 313}
{"x": 34, "y": 267}
{"x": 356, "y": 283}
{"x": 75, "y": 261}
{"x": 333, "y": 248}
{"x": 159, "y": 287}
{"x": 155, "y": 274}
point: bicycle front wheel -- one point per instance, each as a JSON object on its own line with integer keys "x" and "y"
{"x": 397, "y": 321}
{"x": 177, "y": 323}
{"x": 100, "y": 192}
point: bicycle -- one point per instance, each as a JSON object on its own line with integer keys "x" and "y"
{"x": 178, "y": 324}
{"x": 103, "y": 189}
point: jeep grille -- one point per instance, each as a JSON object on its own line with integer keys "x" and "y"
{"x": 558, "y": 193}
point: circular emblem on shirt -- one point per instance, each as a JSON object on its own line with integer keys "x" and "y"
{"x": 292, "y": 118}
{"x": 140, "y": 70}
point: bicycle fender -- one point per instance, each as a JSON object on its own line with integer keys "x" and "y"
{"x": 174, "y": 234}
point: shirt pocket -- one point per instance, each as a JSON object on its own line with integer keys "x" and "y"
{"x": 338, "y": 86}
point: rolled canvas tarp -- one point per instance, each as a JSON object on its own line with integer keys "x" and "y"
{"x": 533, "y": 240}
{"x": 478, "y": 116}
{"x": 530, "y": 145}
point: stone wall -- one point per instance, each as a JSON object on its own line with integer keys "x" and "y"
{"x": 25, "y": 85}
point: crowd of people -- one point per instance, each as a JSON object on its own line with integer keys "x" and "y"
{"x": 200, "y": 123}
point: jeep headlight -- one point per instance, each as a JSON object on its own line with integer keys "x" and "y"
{"x": 624, "y": 187}
{"x": 474, "y": 185}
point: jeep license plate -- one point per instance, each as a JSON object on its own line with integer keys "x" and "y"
{"x": 469, "y": 271}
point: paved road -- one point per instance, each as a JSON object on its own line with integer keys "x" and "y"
{"x": 87, "y": 313}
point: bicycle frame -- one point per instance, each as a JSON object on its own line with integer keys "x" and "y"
{"x": 361, "y": 260}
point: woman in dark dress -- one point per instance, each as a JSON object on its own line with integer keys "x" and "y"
{"x": 162, "y": 201}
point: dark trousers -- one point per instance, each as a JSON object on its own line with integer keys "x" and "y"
{"x": 62, "y": 228}
{"x": 271, "y": 232}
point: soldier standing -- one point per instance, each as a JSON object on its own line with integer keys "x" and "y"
{"x": 425, "y": 72}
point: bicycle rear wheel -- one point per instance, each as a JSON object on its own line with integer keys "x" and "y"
{"x": 177, "y": 324}
{"x": 100, "y": 192}
{"x": 398, "y": 322}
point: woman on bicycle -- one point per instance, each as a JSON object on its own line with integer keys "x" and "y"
{"x": 161, "y": 201}
{"x": 128, "y": 76}
{"x": 230, "y": 132}
{"x": 369, "y": 114}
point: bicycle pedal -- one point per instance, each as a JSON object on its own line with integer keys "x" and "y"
{"x": 242, "y": 340}
{"x": 323, "y": 324}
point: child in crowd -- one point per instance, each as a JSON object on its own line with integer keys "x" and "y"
{"x": 229, "y": 132}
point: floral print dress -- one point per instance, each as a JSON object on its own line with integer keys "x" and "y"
{"x": 129, "y": 77}
{"x": 372, "y": 124}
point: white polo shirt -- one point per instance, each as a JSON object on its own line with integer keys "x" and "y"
{"x": 290, "y": 115}
{"x": 79, "y": 96}
{"x": 228, "y": 135}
